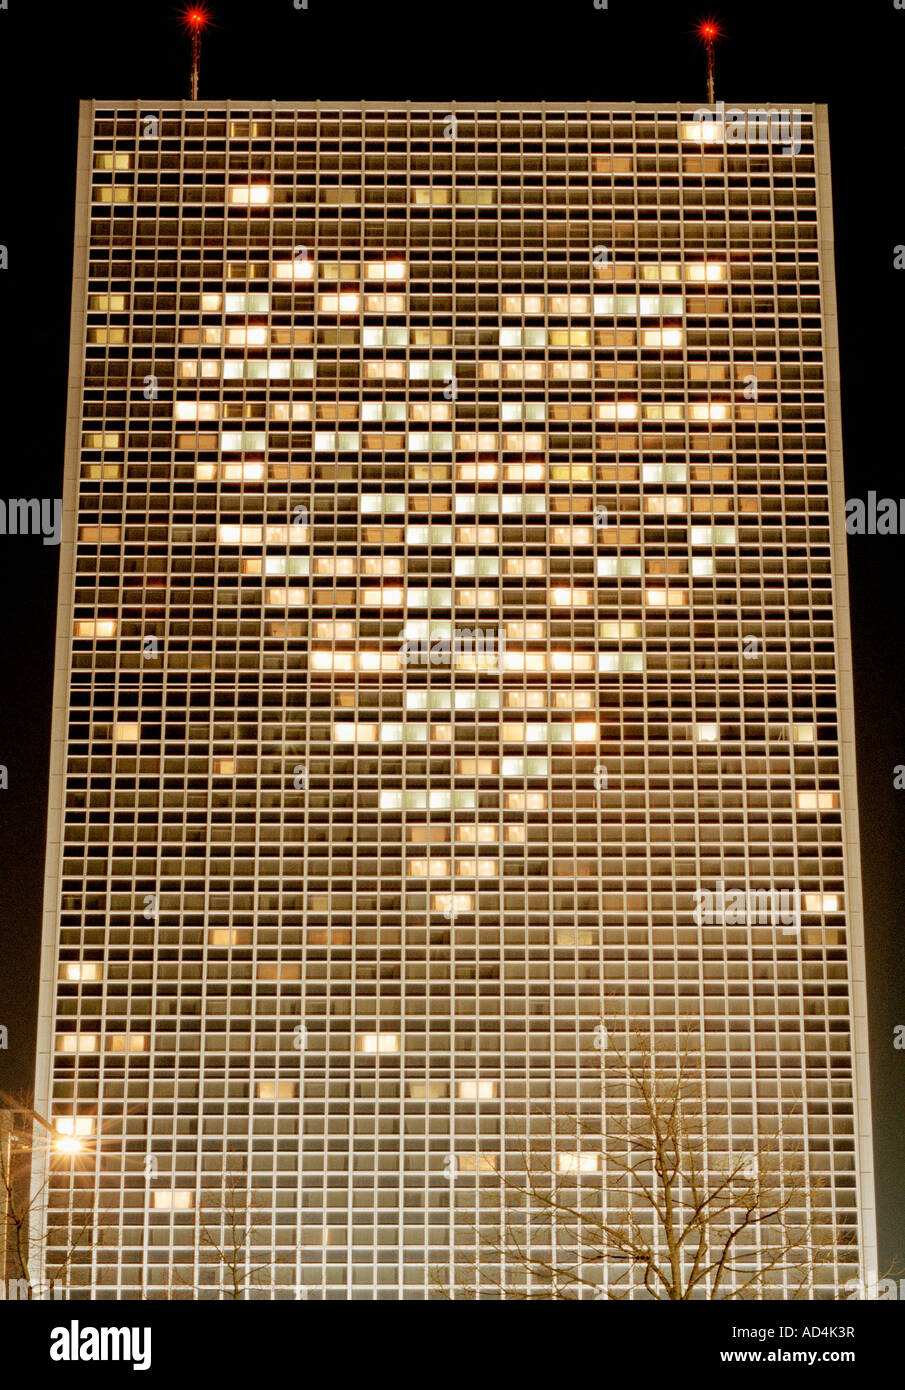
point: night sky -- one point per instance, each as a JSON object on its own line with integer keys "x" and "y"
{"x": 775, "y": 53}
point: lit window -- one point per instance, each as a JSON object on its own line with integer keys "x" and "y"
{"x": 250, "y": 195}
{"x": 569, "y": 598}
{"x": 277, "y": 1090}
{"x": 706, "y": 733}
{"x": 243, "y": 472}
{"x": 230, "y": 936}
{"x": 80, "y": 1126}
{"x": 127, "y": 1042}
{"x": 427, "y": 868}
{"x": 177, "y": 1200}
{"x": 385, "y": 270}
{"x": 105, "y": 535}
{"x": 821, "y": 902}
{"x": 125, "y": 733}
{"x": 451, "y": 903}
{"x": 709, "y": 271}
{"x": 817, "y": 801}
{"x": 657, "y": 504}
{"x": 347, "y": 303}
{"x": 661, "y": 337}
{"x": 618, "y": 410}
{"x": 377, "y": 1043}
{"x": 105, "y": 440}
{"x": 666, "y": 598}
{"x": 75, "y": 972}
{"x": 238, "y": 303}
{"x": 477, "y": 1090}
{"x": 297, "y": 269}
{"x": 578, "y": 1163}
{"x": 77, "y": 1042}
{"x": 246, "y": 337}
{"x": 107, "y": 303}
{"x": 96, "y": 627}
{"x": 703, "y": 132}
{"x": 195, "y": 410}
{"x": 525, "y": 801}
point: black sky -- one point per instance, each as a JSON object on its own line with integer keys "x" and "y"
{"x": 782, "y": 53}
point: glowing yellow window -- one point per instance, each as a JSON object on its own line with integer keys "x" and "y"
{"x": 106, "y": 535}
{"x": 250, "y": 195}
{"x": 666, "y": 598}
{"x": 96, "y": 627}
{"x": 477, "y": 1090}
{"x": 230, "y": 936}
{"x": 80, "y": 1126}
{"x": 77, "y": 1042}
{"x": 452, "y": 903}
{"x": 708, "y": 271}
{"x": 377, "y": 1044}
{"x": 659, "y": 505}
{"x": 127, "y": 1042}
{"x": 427, "y": 868}
{"x": 385, "y": 270}
{"x": 277, "y": 1090}
{"x": 179, "y": 1199}
{"x": 703, "y": 132}
{"x": 817, "y": 801}
{"x": 661, "y": 337}
{"x": 346, "y": 303}
{"x": 618, "y": 410}
{"x": 224, "y": 767}
{"x": 476, "y": 834}
{"x": 525, "y": 801}
{"x": 477, "y": 472}
{"x": 475, "y": 767}
{"x": 578, "y": 1162}
{"x": 821, "y": 902}
{"x": 84, "y": 971}
{"x": 568, "y": 598}
{"x": 105, "y": 440}
{"x": 297, "y": 269}
{"x": 195, "y": 410}
{"x": 477, "y": 868}
{"x": 270, "y": 970}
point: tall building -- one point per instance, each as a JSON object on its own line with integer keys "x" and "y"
{"x": 453, "y": 673}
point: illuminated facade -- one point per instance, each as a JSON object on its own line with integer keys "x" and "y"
{"x": 453, "y": 587}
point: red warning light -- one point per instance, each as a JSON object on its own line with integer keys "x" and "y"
{"x": 708, "y": 31}
{"x": 195, "y": 18}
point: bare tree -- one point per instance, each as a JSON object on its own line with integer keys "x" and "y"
{"x": 653, "y": 1198}
{"x": 52, "y": 1227}
{"x": 230, "y": 1215}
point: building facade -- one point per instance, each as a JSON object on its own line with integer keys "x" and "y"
{"x": 453, "y": 688}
